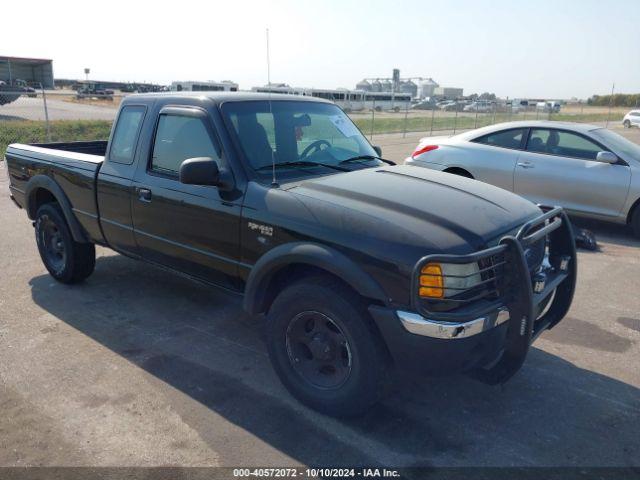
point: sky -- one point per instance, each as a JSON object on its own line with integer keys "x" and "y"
{"x": 516, "y": 48}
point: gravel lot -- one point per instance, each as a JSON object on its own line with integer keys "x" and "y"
{"x": 138, "y": 367}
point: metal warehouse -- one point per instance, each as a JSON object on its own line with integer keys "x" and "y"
{"x": 34, "y": 71}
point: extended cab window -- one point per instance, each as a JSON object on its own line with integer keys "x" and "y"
{"x": 561, "y": 143}
{"x": 179, "y": 137}
{"x": 505, "y": 138}
{"x": 123, "y": 145}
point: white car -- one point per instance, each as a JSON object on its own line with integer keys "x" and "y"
{"x": 479, "y": 106}
{"x": 589, "y": 170}
{"x": 631, "y": 119}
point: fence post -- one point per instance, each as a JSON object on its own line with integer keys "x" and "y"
{"x": 433, "y": 112}
{"x": 455, "y": 121}
{"x": 46, "y": 113}
{"x": 406, "y": 112}
{"x": 475, "y": 121}
{"x": 495, "y": 107}
{"x": 373, "y": 118}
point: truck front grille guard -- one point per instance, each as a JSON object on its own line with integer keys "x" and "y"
{"x": 498, "y": 268}
{"x": 507, "y": 282}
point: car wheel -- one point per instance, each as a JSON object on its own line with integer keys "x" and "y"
{"x": 635, "y": 221}
{"x": 324, "y": 348}
{"x": 627, "y": 124}
{"x": 66, "y": 260}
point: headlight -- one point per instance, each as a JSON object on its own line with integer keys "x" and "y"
{"x": 440, "y": 280}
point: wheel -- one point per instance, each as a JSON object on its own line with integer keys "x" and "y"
{"x": 324, "y": 348}
{"x": 627, "y": 124}
{"x": 66, "y": 260}
{"x": 635, "y": 221}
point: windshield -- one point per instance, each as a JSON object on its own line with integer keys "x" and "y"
{"x": 617, "y": 143}
{"x": 300, "y": 137}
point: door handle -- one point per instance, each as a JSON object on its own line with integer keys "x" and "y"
{"x": 525, "y": 164}
{"x": 144, "y": 195}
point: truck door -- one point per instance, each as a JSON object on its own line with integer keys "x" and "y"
{"x": 113, "y": 188}
{"x": 193, "y": 229}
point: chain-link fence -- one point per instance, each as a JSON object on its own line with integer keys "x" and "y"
{"x": 55, "y": 115}
{"x": 39, "y": 116}
{"x": 454, "y": 118}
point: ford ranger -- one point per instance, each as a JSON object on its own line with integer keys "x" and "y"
{"x": 359, "y": 268}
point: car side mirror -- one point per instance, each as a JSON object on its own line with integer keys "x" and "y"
{"x": 606, "y": 157}
{"x": 200, "y": 171}
{"x": 378, "y": 150}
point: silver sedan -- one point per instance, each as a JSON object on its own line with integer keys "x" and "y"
{"x": 589, "y": 170}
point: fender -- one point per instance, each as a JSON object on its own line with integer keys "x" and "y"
{"x": 42, "y": 181}
{"x": 313, "y": 254}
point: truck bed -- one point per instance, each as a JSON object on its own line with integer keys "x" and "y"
{"x": 74, "y": 166}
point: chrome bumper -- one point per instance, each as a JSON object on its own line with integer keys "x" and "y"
{"x": 419, "y": 325}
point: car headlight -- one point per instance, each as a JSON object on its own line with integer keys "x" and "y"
{"x": 440, "y": 280}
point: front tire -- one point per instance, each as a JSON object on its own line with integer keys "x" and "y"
{"x": 324, "y": 348}
{"x": 66, "y": 260}
{"x": 627, "y": 124}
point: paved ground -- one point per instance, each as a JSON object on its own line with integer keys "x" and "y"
{"x": 140, "y": 367}
{"x": 58, "y": 109}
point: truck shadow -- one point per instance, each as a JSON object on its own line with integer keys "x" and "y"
{"x": 198, "y": 341}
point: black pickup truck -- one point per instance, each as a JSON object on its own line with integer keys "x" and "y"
{"x": 359, "y": 267}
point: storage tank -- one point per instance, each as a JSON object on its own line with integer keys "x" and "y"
{"x": 376, "y": 86}
{"x": 426, "y": 88}
{"x": 363, "y": 85}
{"x": 386, "y": 86}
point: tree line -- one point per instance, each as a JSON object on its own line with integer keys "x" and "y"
{"x": 619, "y": 100}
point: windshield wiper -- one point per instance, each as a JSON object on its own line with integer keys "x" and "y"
{"x": 303, "y": 163}
{"x": 359, "y": 158}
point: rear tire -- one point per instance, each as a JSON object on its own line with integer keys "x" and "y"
{"x": 66, "y": 260}
{"x": 635, "y": 221}
{"x": 324, "y": 348}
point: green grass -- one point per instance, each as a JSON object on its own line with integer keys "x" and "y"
{"x": 61, "y": 131}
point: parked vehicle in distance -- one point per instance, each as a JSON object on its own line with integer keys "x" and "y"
{"x": 548, "y": 107}
{"x": 427, "y": 104}
{"x": 450, "y": 106}
{"x": 518, "y": 105}
{"x": 359, "y": 267}
{"x": 480, "y": 106}
{"x": 588, "y": 170}
{"x": 631, "y": 119}
{"x": 29, "y": 91}
{"x": 93, "y": 90}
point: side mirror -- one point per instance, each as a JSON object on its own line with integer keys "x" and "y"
{"x": 378, "y": 150}
{"x": 200, "y": 171}
{"x": 606, "y": 157}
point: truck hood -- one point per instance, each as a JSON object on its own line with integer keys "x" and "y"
{"x": 414, "y": 208}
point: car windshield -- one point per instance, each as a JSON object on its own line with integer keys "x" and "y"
{"x": 617, "y": 143}
{"x": 300, "y": 137}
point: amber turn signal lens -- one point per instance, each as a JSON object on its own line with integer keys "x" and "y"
{"x": 431, "y": 281}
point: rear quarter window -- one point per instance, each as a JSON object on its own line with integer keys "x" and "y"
{"x": 125, "y": 136}
{"x": 504, "y": 139}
